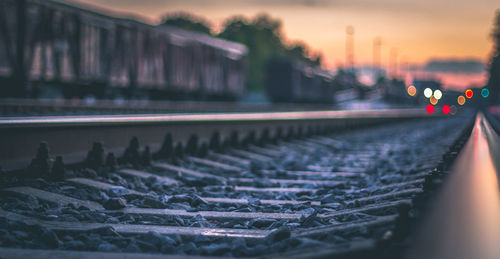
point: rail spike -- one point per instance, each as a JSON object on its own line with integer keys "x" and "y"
{"x": 215, "y": 143}
{"x": 40, "y": 166}
{"x": 178, "y": 150}
{"x": 167, "y": 148}
{"x": 132, "y": 154}
{"x": 146, "y": 157}
{"x": 111, "y": 162}
{"x": 264, "y": 137}
{"x": 58, "y": 172}
{"x": 95, "y": 157}
{"x": 203, "y": 150}
{"x": 192, "y": 145}
{"x": 234, "y": 139}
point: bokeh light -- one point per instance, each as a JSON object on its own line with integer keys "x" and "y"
{"x": 469, "y": 93}
{"x": 453, "y": 110}
{"x": 438, "y": 94}
{"x": 430, "y": 108}
{"x": 412, "y": 90}
{"x": 428, "y": 93}
{"x": 485, "y": 92}
{"x": 461, "y": 100}
{"x": 433, "y": 100}
{"x": 446, "y": 109}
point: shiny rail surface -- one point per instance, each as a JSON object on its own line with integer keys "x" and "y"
{"x": 465, "y": 219}
{"x": 215, "y": 117}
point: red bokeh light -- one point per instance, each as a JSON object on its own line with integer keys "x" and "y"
{"x": 430, "y": 108}
{"x": 469, "y": 93}
{"x": 446, "y": 109}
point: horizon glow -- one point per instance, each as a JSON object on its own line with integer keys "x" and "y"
{"x": 418, "y": 30}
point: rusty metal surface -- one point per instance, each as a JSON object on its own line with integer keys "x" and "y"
{"x": 107, "y": 187}
{"x": 102, "y": 186}
{"x": 185, "y": 172}
{"x": 339, "y": 228}
{"x": 53, "y": 197}
{"x": 391, "y": 195}
{"x": 217, "y": 215}
{"x": 214, "y": 164}
{"x": 15, "y": 253}
{"x": 314, "y": 183}
{"x": 145, "y": 175}
{"x": 366, "y": 209}
{"x": 140, "y": 229}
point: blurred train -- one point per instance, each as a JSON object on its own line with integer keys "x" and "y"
{"x": 396, "y": 91}
{"x": 294, "y": 81}
{"x": 78, "y": 52}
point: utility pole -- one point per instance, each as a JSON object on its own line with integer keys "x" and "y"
{"x": 377, "y": 42}
{"x": 393, "y": 62}
{"x": 405, "y": 67}
{"x": 349, "y": 48}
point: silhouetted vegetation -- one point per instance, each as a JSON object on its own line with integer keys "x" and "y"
{"x": 494, "y": 69}
{"x": 187, "y": 22}
{"x": 263, "y": 37}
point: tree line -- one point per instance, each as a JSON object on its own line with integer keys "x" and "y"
{"x": 494, "y": 68}
{"x": 262, "y": 35}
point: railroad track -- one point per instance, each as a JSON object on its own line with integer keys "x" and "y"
{"x": 39, "y": 107}
{"x": 317, "y": 184}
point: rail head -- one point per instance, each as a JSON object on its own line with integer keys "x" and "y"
{"x": 464, "y": 221}
{"x": 101, "y": 120}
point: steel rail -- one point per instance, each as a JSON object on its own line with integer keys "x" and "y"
{"x": 464, "y": 220}
{"x": 72, "y": 136}
{"x": 35, "y": 106}
{"x": 214, "y": 117}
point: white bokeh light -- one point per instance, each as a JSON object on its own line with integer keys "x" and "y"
{"x": 438, "y": 94}
{"x": 428, "y": 93}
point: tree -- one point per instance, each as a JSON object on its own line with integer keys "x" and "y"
{"x": 264, "y": 39}
{"x": 298, "y": 51}
{"x": 317, "y": 59}
{"x": 494, "y": 68}
{"x": 187, "y": 22}
{"x": 262, "y": 36}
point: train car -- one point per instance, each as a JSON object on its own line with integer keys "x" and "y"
{"x": 8, "y": 38}
{"x": 48, "y": 46}
{"x": 293, "y": 81}
{"x": 394, "y": 91}
{"x": 322, "y": 86}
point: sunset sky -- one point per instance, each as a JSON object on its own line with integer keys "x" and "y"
{"x": 418, "y": 29}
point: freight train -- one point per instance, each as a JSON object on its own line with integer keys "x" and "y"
{"x": 295, "y": 81}
{"x": 54, "y": 49}
{"x": 78, "y": 52}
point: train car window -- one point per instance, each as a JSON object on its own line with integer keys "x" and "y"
{"x": 4, "y": 63}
